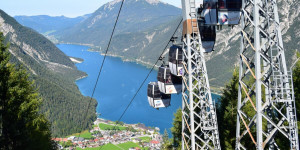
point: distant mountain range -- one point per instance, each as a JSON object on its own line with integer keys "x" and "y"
{"x": 136, "y": 16}
{"x": 54, "y": 74}
{"x": 146, "y": 25}
{"x": 46, "y": 24}
{"x": 144, "y": 28}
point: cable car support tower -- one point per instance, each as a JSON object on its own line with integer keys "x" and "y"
{"x": 199, "y": 121}
{"x": 264, "y": 81}
{"x": 266, "y": 111}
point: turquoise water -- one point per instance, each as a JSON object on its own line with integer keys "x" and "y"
{"x": 117, "y": 85}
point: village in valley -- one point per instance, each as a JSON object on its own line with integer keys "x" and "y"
{"x": 109, "y": 135}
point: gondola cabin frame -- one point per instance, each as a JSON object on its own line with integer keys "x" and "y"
{"x": 156, "y": 98}
{"x": 167, "y": 82}
{"x": 175, "y": 60}
{"x": 221, "y": 12}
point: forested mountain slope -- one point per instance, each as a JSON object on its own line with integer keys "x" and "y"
{"x": 144, "y": 45}
{"x": 222, "y": 61}
{"x": 145, "y": 26}
{"x": 136, "y": 16}
{"x": 54, "y": 74}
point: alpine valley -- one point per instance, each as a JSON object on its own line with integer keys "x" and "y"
{"x": 141, "y": 34}
{"x": 145, "y": 26}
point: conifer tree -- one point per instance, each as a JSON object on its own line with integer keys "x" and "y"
{"x": 176, "y": 129}
{"x": 166, "y": 141}
{"x": 296, "y": 83}
{"x": 165, "y": 136}
{"x": 227, "y": 111}
{"x": 22, "y": 127}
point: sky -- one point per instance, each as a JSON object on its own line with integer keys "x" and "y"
{"x": 69, "y": 8}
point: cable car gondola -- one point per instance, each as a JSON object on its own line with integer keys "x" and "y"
{"x": 209, "y": 12}
{"x": 221, "y": 12}
{"x": 229, "y": 12}
{"x": 157, "y": 99}
{"x": 167, "y": 82}
{"x": 208, "y": 36}
{"x": 175, "y": 60}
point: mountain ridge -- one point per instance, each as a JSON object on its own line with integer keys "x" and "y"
{"x": 48, "y": 24}
{"x": 54, "y": 75}
{"x": 136, "y": 47}
{"x": 136, "y": 16}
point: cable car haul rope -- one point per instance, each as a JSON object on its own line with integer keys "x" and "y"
{"x": 186, "y": 73}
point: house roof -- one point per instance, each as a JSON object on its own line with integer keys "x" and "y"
{"x": 154, "y": 142}
{"x": 57, "y": 139}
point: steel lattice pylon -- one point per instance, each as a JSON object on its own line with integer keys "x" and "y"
{"x": 199, "y": 121}
{"x": 266, "y": 108}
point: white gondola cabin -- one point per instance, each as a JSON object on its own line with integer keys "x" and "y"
{"x": 209, "y": 12}
{"x": 221, "y": 12}
{"x": 167, "y": 82}
{"x": 229, "y": 12}
{"x": 175, "y": 60}
{"x": 208, "y": 36}
{"x": 157, "y": 99}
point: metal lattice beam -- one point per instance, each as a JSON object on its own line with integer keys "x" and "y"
{"x": 199, "y": 121}
{"x": 266, "y": 108}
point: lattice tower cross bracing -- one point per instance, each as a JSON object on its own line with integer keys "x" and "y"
{"x": 266, "y": 106}
{"x": 199, "y": 121}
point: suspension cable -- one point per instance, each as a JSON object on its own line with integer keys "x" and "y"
{"x": 146, "y": 78}
{"x": 108, "y": 45}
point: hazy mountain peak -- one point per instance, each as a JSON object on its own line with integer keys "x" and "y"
{"x": 148, "y": 1}
{"x": 153, "y": 1}
{"x": 114, "y": 2}
{"x": 110, "y": 5}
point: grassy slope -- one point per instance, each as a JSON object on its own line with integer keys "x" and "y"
{"x": 128, "y": 145}
{"x": 124, "y": 146}
{"x": 85, "y": 134}
{"x": 111, "y": 127}
{"x": 146, "y": 139}
{"x": 105, "y": 147}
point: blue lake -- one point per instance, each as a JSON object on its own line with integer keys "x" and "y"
{"x": 117, "y": 85}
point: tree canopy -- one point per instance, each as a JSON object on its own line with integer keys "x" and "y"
{"x": 22, "y": 127}
{"x": 296, "y": 83}
{"x": 227, "y": 111}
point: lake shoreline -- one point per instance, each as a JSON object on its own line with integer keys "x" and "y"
{"x": 82, "y": 77}
{"x": 124, "y": 77}
{"x": 148, "y": 65}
